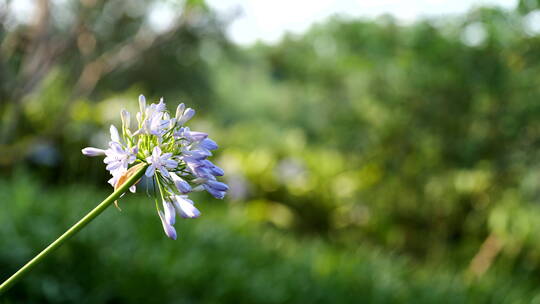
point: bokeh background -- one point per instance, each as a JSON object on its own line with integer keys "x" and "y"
{"x": 370, "y": 159}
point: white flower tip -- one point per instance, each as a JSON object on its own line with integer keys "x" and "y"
{"x": 126, "y": 119}
{"x": 89, "y": 151}
{"x": 180, "y": 111}
{"x": 124, "y": 114}
{"x": 114, "y": 134}
{"x": 185, "y": 208}
{"x": 142, "y": 103}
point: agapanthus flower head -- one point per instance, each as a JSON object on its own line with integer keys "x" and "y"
{"x": 175, "y": 156}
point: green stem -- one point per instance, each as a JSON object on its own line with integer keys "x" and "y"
{"x": 73, "y": 230}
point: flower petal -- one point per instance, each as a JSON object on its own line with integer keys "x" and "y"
{"x": 169, "y": 212}
{"x": 209, "y": 144}
{"x": 196, "y": 154}
{"x": 169, "y": 229}
{"x": 185, "y": 207}
{"x": 180, "y": 183}
{"x": 218, "y": 185}
{"x": 165, "y": 156}
{"x": 217, "y": 171}
{"x": 164, "y": 172}
{"x": 150, "y": 171}
{"x": 171, "y": 164}
{"x": 188, "y": 114}
{"x": 197, "y": 136}
{"x": 113, "y": 166}
{"x": 215, "y": 193}
{"x": 180, "y": 110}
{"x": 116, "y": 147}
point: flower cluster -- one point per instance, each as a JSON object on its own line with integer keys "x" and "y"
{"x": 176, "y": 158}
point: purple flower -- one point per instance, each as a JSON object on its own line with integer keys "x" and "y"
{"x": 155, "y": 124}
{"x": 160, "y": 162}
{"x": 118, "y": 157}
{"x": 153, "y": 118}
{"x": 190, "y": 136}
{"x": 175, "y": 157}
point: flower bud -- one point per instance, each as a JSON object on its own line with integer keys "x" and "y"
{"x": 169, "y": 212}
{"x": 126, "y": 118}
{"x": 180, "y": 183}
{"x": 209, "y": 144}
{"x": 195, "y": 155}
{"x": 89, "y": 151}
{"x": 114, "y": 134}
{"x": 217, "y": 171}
{"x": 161, "y": 107}
{"x": 188, "y": 114}
{"x": 180, "y": 110}
{"x": 169, "y": 229}
{"x": 217, "y": 185}
{"x": 142, "y": 103}
{"x": 185, "y": 208}
{"x": 197, "y": 136}
{"x": 214, "y": 192}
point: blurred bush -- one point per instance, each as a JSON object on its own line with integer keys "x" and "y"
{"x": 418, "y": 138}
{"x": 226, "y": 256}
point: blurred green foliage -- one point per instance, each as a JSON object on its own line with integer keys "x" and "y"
{"x": 367, "y": 159}
{"x": 226, "y": 256}
{"x": 404, "y": 137}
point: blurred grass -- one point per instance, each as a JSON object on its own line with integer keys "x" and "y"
{"x": 223, "y": 257}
